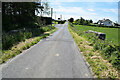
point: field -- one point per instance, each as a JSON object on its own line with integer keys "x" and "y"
{"x": 103, "y": 56}
{"x": 111, "y": 33}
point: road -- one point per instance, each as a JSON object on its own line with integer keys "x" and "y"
{"x": 54, "y": 57}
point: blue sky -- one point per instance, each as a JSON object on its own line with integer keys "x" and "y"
{"x": 87, "y": 10}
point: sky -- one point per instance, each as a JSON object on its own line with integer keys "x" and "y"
{"x": 95, "y": 10}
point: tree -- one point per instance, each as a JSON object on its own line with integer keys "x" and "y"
{"x": 87, "y": 22}
{"x": 91, "y": 21}
{"x": 82, "y": 21}
{"x": 76, "y": 21}
{"x": 71, "y": 20}
{"x": 21, "y": 14}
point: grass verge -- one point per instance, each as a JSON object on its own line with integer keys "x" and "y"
{"x": 21, "y": 46}
{"x": 101, "y": 68}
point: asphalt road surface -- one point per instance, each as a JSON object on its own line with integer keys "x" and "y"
{"x": 54, "y": 57}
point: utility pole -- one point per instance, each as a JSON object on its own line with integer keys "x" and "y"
{"x": 119, "y": 12}
{"x": 0, "y": 27}
{"x": 55, "y": 17}
{"x": 61, "y": 17}
{"x": 51, "y": 12}
{"x": 51, "y": 15}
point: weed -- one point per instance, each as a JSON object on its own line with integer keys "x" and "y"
{"x": 12, "y": 55}
{"x": 27, "y": 45}
{"x": 91, "y": 54}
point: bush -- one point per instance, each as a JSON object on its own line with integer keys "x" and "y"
{"x": 71, "y": 20}
{"x": 27, "y": 45}
{"x": 82, "y": 21}
{"x": 12, "y": 55}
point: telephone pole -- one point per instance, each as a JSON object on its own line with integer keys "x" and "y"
{"x": 51, "y": 15}
{"x": 51, "y": 12}
{"x": 55, "y": 15}
{"x": 61, "y": 17}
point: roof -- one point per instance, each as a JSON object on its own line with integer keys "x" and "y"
{"x": 101, "y": 21}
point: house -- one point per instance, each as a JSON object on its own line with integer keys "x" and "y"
{"x": 106, "y": 22}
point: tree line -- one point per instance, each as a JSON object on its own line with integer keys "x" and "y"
{"x": 81, "y": 21}
{"x": 17, "y": 15}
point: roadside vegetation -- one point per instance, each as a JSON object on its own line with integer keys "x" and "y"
{"x": 22, "y": 27}
{"x": 10, "y": 39}
{"x": 103, "y": 56}
{"x": 23, "y": 42}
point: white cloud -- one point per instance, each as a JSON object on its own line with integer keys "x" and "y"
{"x": 83, "y": 0}
{"x": 91, "y": 10}
{"x": 94, "y": 14}
{"x": 110, "y": 10}
{"x": 56, "y": 3}
{"x": 114, "y": 10}
{"x": 75, "y": 12}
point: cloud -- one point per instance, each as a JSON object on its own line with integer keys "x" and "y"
{"x": 73, "y": 11}
{"x": 94, "y": 14}
{"x": 110, "y": 10}
{"x": 91, "y": 10}
{"x": 83, "y": 0}
{"x": 114, "y": 10}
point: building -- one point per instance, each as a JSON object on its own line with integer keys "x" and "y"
{"x": 106, "y": 22}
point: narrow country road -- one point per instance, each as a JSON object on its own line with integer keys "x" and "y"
{"x": 54, "y": 57}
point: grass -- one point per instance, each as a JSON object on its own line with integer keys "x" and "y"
{"x": 23, "y": 45}
{"x": 101, "y": 67}
{"x": 111, "y": 33}
{"x": 11, "y": 39}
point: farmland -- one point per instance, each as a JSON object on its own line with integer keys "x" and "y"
{"x": 111, "y": 33}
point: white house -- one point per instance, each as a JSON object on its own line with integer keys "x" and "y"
{"x": 106, "y": 22}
